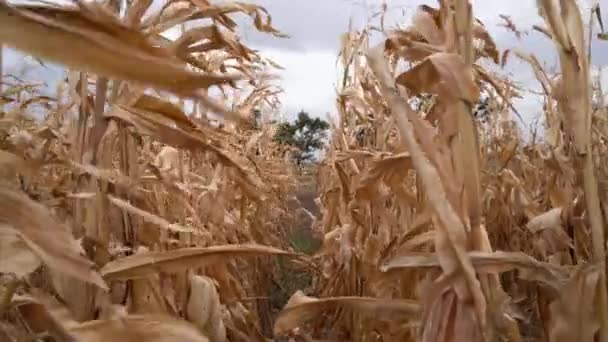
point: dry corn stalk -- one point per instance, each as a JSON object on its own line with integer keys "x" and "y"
{"x": 573, "y": 94}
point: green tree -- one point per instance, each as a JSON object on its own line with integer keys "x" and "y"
{"x": 305, "y": 135}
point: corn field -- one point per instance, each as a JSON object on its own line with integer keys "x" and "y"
{"x": 144, "y": 203}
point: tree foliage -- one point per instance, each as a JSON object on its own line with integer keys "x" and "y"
{"x": 305, "y": 135}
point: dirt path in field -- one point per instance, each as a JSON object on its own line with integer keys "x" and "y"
{"x": 301, "y": 238}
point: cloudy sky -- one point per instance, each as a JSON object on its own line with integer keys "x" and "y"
{"x": 309, "y": 56}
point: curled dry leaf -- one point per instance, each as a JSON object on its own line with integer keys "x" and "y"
{"x": 164, "y": 108}
{"x": 212, "y": 37}
{"x": 425, "y": 23}
{"x": 254, "y": 11}
{"x": 551, "y": 227}
{"x": 488, "y": 46}
{"x": 301, "y": 308}
{"x": 45, "y": 237}
{"x": 441, "y": 73}
{"x": 144, "y": 264}
{"x": 168, "y": 16}
{"x": 385, "y": 167}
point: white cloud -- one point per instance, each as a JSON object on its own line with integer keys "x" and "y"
{"x": 308, "y": 80}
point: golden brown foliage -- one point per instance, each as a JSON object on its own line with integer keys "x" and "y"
{"x": 127, "y": 214}
{"x": 152, "y": 222}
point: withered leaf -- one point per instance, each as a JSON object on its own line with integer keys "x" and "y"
{"x": 489, "y": 46}
{"x": 444, "y": 74}
{"x": 149, "y": 217}
{"x": 90, "y": 38}
{"x": 167, "y": 109}
{"x": 254, "y": 11}
{"x": 144, "y": 264}
{"x": 424, "y": 22}
{"x": 160, "y": 127}
{"x": 45, "y": 237}
{"x": 302, "y": 308}
{"x": 484, "y": 262}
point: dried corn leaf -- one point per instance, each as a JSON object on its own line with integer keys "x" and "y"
{"x": 149, "y": 217}
{"x": 489, "y": 46}
{"x": 144, "y": 264}
{"x": 160, "y": 128}
{"x": 46, "y": 238}
{"x": 302, "y": 308}
{"x": 254, "y": 11}
{"x": 424, "y": 22}
{"x": 165, "y": 108}
{"x": 383, "y": 168}
{"x": 441, "y": 73}
{"x": 90, "y": 38}
{"x": 484, "y": 262}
